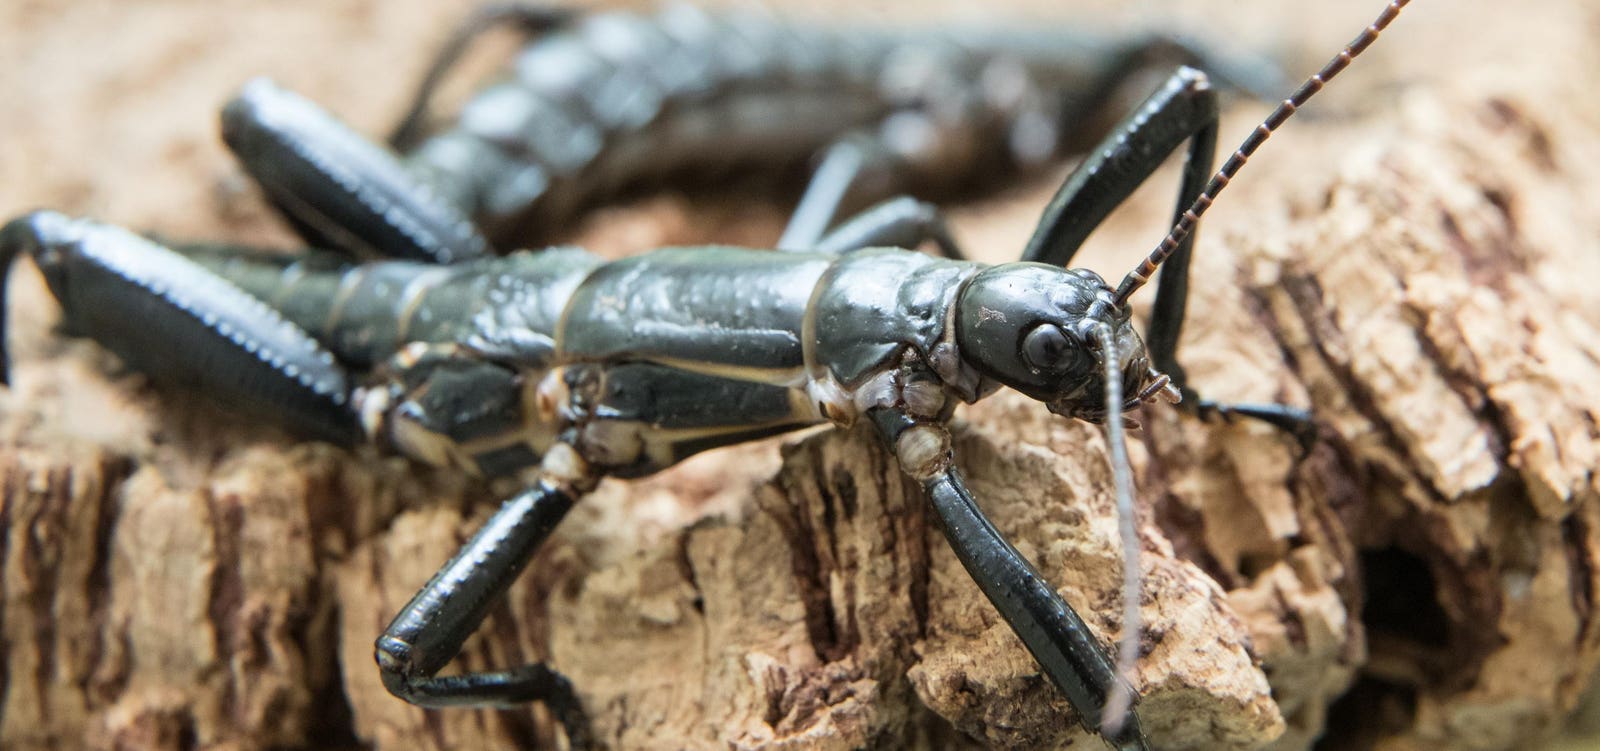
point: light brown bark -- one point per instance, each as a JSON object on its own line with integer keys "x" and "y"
{"x": 1421, "y": 276}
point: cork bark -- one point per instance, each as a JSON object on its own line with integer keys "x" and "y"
{"x": 1417, "y": 266}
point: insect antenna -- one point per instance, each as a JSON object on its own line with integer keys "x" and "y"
{"x": 1121, "y": 696}
{"x": 531, "y": 19}
{"x": 1137, "y": 278}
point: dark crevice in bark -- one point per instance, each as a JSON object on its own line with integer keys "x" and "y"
{"x": 226, "y": 594}
{"x": 1306, "y": 293}
{"x": 805, "y": 563}
{"x": 1575, "y": 535}
{"x": 1372, "y": 710}
{"x": 12, "y": 487}
{"x": 107, "y": 515}
{"x": 43, "y": 570}
{"x": 331, "y": 723}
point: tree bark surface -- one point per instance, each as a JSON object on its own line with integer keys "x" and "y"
{"x": 1417, "y": 265}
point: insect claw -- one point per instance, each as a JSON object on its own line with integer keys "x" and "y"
{"x": 1160, "y": 386}
{"x": 1171, "y": 395}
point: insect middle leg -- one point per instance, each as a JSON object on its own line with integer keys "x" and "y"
{"x": 1184, "y": 109}
{"x": 176, "y": 320}
{"x": 585, "y": 421}
{"x": 428, "y": 633}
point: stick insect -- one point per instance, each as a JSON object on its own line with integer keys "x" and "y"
{"x": 600, "y": 104}
{"x": 498, "y": 364}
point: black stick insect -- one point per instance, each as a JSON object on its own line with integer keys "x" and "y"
{"x": 529, "y": 360}
{"x": 600, "y": 104}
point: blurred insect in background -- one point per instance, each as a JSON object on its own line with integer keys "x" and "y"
{"x": 602, "y": 104}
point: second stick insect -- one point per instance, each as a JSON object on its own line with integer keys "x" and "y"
{"x": 494, "y": 365}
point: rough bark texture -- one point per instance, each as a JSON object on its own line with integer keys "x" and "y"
{"x": 1418, "y": 268}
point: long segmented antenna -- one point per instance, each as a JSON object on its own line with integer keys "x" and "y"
{"x": 533, "y": 19}
{"x": 1137, "y": 278}
{"x": 1120, "y": 699}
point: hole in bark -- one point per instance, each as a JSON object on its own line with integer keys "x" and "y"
{"x": 1252, "y": 565}
{"x": 1371, "y": 710}
{"x": 188, "y": 738}
{"x": 1186, "y": 529}
{"x": 1401, "y": 601}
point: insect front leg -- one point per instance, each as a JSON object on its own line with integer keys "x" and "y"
{"x": 1070, "y": 654}
{"x": 914, "y": 139}
{"x": 1183, "y": 109}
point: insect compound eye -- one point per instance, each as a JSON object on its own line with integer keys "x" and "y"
{"x": 1047, "y": 347}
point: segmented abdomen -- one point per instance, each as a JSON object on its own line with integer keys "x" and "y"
{"x": 506, "y": 308}
{"x": 621, "y": 100}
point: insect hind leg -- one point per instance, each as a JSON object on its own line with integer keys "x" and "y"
{"x": 177, "y": 322}
{"x": 338, "y": 189}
